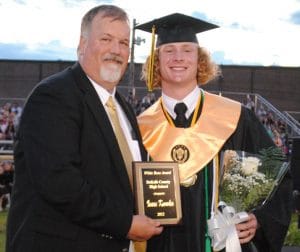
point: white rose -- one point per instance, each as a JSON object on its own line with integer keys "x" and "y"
{"x": 250, "y": 165}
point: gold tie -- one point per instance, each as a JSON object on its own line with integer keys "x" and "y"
{"x": 127, "y": 156}
{"x": 123, "y": 144}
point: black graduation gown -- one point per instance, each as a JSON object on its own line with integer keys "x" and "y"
{"x": 274, "y": 217}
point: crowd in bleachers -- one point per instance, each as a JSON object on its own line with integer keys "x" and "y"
{"x": 276, "y": 128}
{"x": 10, "y": 115}
{"x": 139, "y": 105}
{"x": 9, "y": 119}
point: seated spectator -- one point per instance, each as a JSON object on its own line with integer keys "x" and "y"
{"x": 250, "y": 103}
{"x": 3, "y": 125}
{"x": 10, "y": 130}
{"x": 2, "y": 187}
{"x": 6, "y": 182}
{"x": 277, "y": 139}
{"x": 9, "y": 119}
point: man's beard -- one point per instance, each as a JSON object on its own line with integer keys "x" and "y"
{"x": 111, "y": 72}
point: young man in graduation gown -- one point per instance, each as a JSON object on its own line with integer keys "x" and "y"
{"x": 191, "y": 126}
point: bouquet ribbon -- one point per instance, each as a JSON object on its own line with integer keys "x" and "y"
{"x": 221, "y": 228}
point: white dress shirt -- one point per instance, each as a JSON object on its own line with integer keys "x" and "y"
{"x": 190, "y": 101}
{"x": 126, "y": 126}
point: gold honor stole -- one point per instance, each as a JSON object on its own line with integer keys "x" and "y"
{"x": 194, "y": 147}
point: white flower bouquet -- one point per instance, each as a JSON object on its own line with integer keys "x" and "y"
{"x": 249, "y": 180}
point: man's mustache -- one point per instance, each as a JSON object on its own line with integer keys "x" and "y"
{"x": 112, "y": 57}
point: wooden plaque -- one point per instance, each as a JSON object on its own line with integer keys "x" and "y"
{"x": 157, "y": 191}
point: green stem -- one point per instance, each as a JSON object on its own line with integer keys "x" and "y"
{"x": 207, "y": 238}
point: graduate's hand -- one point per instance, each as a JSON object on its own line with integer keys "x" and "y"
{"x": 143, "y": 228}
{"x": 246, "y": 230}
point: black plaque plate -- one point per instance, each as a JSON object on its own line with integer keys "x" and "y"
{"x": 157, "y": 191}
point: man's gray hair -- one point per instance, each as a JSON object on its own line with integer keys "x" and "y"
{"x": 106, "y": 11}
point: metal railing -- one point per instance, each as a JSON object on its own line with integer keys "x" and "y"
{"x": 20, "y": 101}
{"x": 6, "y": 147}
{"x": 292, "y": 115}
{"x": 293, "y": 129}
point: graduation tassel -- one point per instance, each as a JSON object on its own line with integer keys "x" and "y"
{"x": 151, "y": 62}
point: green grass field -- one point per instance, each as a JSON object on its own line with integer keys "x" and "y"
{"x": 292, "y": 238}
{"x": 3, "y": 216}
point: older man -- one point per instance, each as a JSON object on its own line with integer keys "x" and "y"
{"x": 72, "y": 188}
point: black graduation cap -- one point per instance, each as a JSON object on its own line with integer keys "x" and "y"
{"x": 176, "y": 28}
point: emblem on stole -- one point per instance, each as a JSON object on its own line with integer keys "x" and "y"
{"x": 180, "y": 153}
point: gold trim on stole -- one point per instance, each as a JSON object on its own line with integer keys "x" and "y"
{"x": 217, "y": 122}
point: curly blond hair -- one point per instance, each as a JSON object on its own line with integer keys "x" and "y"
{"x": 207, "y": 69}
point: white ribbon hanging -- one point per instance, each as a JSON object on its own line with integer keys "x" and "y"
{"x": 221, "y": 228}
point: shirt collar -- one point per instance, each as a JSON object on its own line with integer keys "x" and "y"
{"x": 102, "y": 92}
{"x": 190, "y": 101}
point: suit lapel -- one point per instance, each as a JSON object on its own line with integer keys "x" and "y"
{"x": 102, "y": 120}
{"x": 132, "y": 120}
